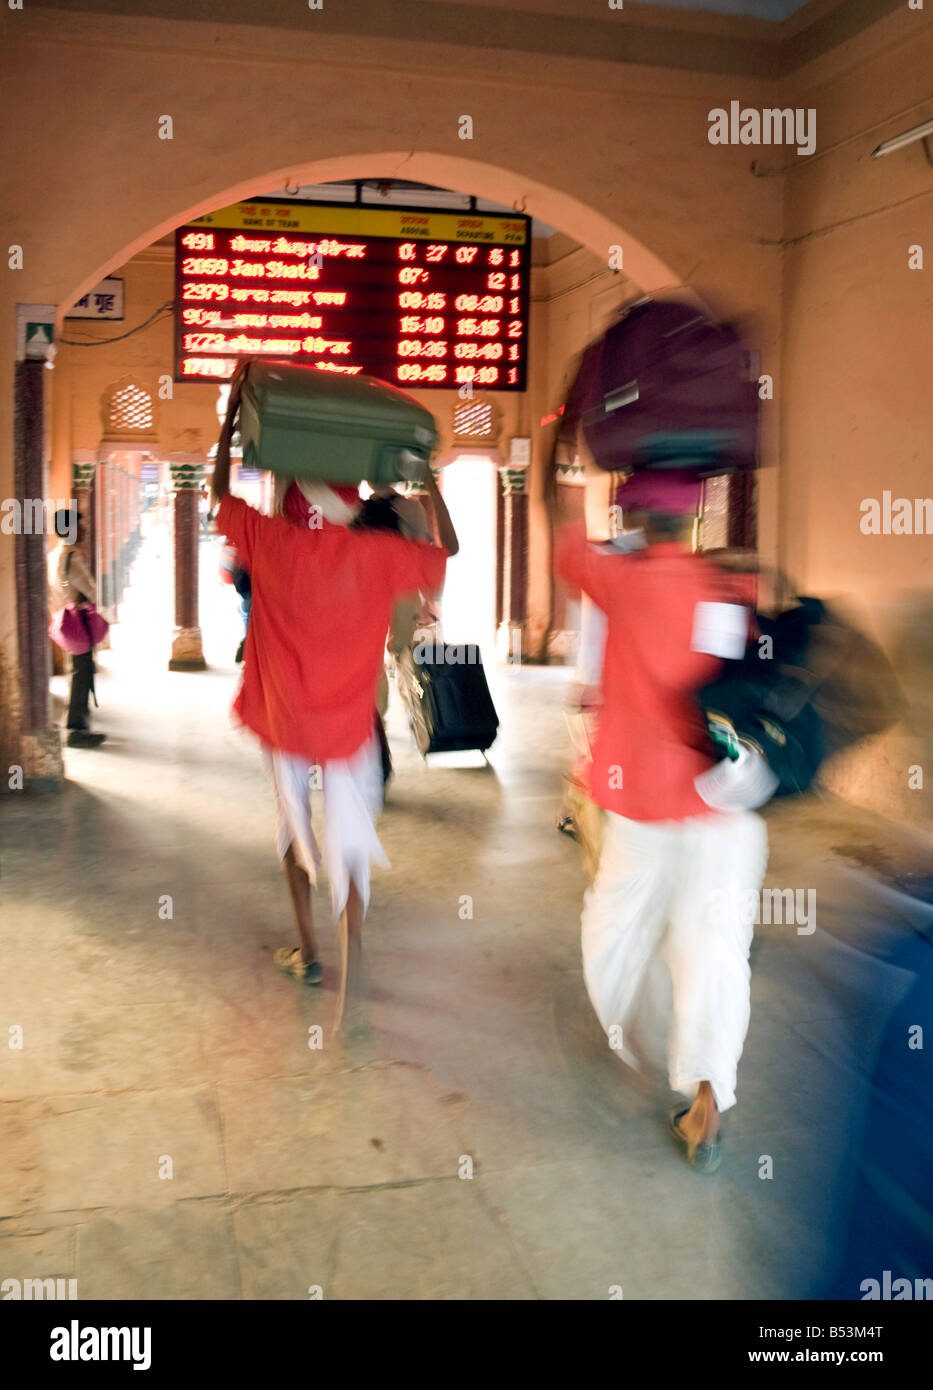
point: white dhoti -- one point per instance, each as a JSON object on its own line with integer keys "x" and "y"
{"x": 678, "y": 890}
{"x": 353, "y": 789}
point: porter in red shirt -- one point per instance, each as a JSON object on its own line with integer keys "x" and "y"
{"x": 321, "y": 606}
{"x": 652, "y": 740}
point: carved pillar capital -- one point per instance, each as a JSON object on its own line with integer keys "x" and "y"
{"x": 82, "y": 474}
{"x": 514, "y": 481}
{"x": 513, "y": 564}
{"x": 417, "y": 488}
{"x": 187, "y": 651}
{"x": 186, "y": 477}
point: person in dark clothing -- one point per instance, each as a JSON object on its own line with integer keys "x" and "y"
{"x": 244, "y": 589}
{"x": 233, "y": 572}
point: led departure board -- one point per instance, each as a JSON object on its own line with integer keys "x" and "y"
{"x": 419, "y": 298}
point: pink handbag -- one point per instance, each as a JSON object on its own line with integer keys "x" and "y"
{"x": 78, "y": 628}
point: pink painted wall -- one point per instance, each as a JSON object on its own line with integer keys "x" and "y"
{"x": 856, "y": 401}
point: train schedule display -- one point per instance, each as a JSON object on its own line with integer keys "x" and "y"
{"x": 419, "y": 298}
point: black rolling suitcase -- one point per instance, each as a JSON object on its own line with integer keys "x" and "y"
{"x": 448, "y": 700}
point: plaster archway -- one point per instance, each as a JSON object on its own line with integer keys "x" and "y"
{"x": 506, "y": 186}
{"x": 578, "y": 220}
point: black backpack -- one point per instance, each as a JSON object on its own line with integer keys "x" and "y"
{"x": 818, "y": 685}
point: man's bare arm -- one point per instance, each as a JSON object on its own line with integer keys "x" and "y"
{"x": 220, "y": 483}
{"x": 446, "y": 535}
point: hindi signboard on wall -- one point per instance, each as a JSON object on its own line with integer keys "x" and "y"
{"x": 105, "y": 301}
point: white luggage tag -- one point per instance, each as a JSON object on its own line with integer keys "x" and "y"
{"x": 720, "y": 629}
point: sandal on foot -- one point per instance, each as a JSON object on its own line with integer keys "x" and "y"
{"x": 704, "y": 1157}
{"x": 288, "y": 959}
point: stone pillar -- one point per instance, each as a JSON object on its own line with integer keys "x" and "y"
{"x": 104, "y": 488}
{"x": 117, "y": 538}
{"x": 38, "y": 746}
{"x": 510, "y": 641}
{"x": 134, "y": 486}
{"x": 187, "y": 651}
{"x": 570, "y": 484}
{"x": 125, "y": 525}
{"x": 126, "y": 531}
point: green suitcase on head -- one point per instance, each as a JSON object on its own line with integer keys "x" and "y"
{"x": 307, "y": 423}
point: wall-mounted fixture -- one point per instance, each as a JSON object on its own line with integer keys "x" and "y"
{"x": 918, "y": 132}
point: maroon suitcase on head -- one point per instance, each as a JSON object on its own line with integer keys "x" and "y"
{"x": 666, "y": 387}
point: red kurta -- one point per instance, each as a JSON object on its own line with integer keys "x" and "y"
{"x": 651, "y": 735}
{"x": 321, "y": 601}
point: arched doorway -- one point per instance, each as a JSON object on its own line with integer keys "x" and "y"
{"x": 468, "y": 607}
{"x": 506, "y": 186}
{"x": 469, "y": 177}
{"x": 526, "y": 510}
